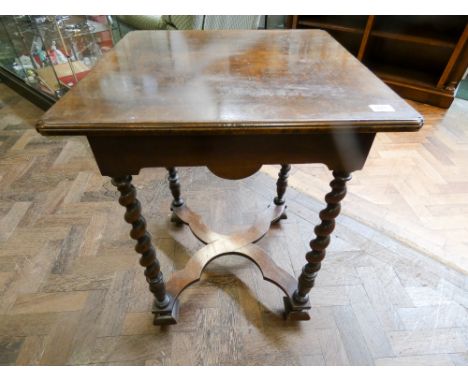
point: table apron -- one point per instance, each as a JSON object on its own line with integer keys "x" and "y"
{"x": 127, "y": 155}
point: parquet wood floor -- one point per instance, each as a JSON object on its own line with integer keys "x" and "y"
{"x": 72, "y": 291}
{"x": 413, "y": 186}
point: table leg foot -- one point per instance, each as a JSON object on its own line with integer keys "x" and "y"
{"x": 293, "y": 312}
{"x": 283, "y": 216}
{"x": 163, "y": 317}
{"x": 175, "y": 219}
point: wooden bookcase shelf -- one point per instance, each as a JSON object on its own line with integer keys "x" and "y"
{"x": 414, "y": 39}
{"x": 321, "y": 25}
{"x": 401, "y": 75}
{"x": 421, "y": 57}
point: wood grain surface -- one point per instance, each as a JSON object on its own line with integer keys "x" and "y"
{"x": 226, "y": 82}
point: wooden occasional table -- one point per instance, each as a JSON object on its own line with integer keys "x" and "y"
{"x": 231, "y": 101}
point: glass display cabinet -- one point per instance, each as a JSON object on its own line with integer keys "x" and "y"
{"x": 47, "y": 55}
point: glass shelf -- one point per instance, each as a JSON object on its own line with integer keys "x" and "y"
{"x": 52, "y": 53}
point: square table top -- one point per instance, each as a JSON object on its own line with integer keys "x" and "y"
{"x": 223, "y": 82}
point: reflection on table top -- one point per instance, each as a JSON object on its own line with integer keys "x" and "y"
{"x": 229, "y": 81}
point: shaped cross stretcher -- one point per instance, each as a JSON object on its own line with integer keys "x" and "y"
{"x": 217, "y": 245}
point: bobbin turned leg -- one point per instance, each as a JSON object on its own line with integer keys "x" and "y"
{"x": 154, "y": 276}
{"x": 281, "y": 186}
{"x": 174, "y": 186}
{"x": 322, "y": 239}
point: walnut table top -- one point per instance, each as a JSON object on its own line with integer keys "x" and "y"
{"x": 229, "y": 81}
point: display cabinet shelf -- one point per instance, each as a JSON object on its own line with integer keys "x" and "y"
{"x": 48, "y": 55}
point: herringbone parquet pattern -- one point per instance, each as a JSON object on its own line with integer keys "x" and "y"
{"x": 414, "y": 185}
{"x": 72, "y": 291}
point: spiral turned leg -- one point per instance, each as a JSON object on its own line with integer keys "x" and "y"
{"x": 322, "y": 240}
{"x": 281, "y": 186}
{"x": 128, "y": 199}
{"x": 174, "y": 186}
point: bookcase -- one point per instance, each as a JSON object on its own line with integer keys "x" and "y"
{"x": 422, "y": 58}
